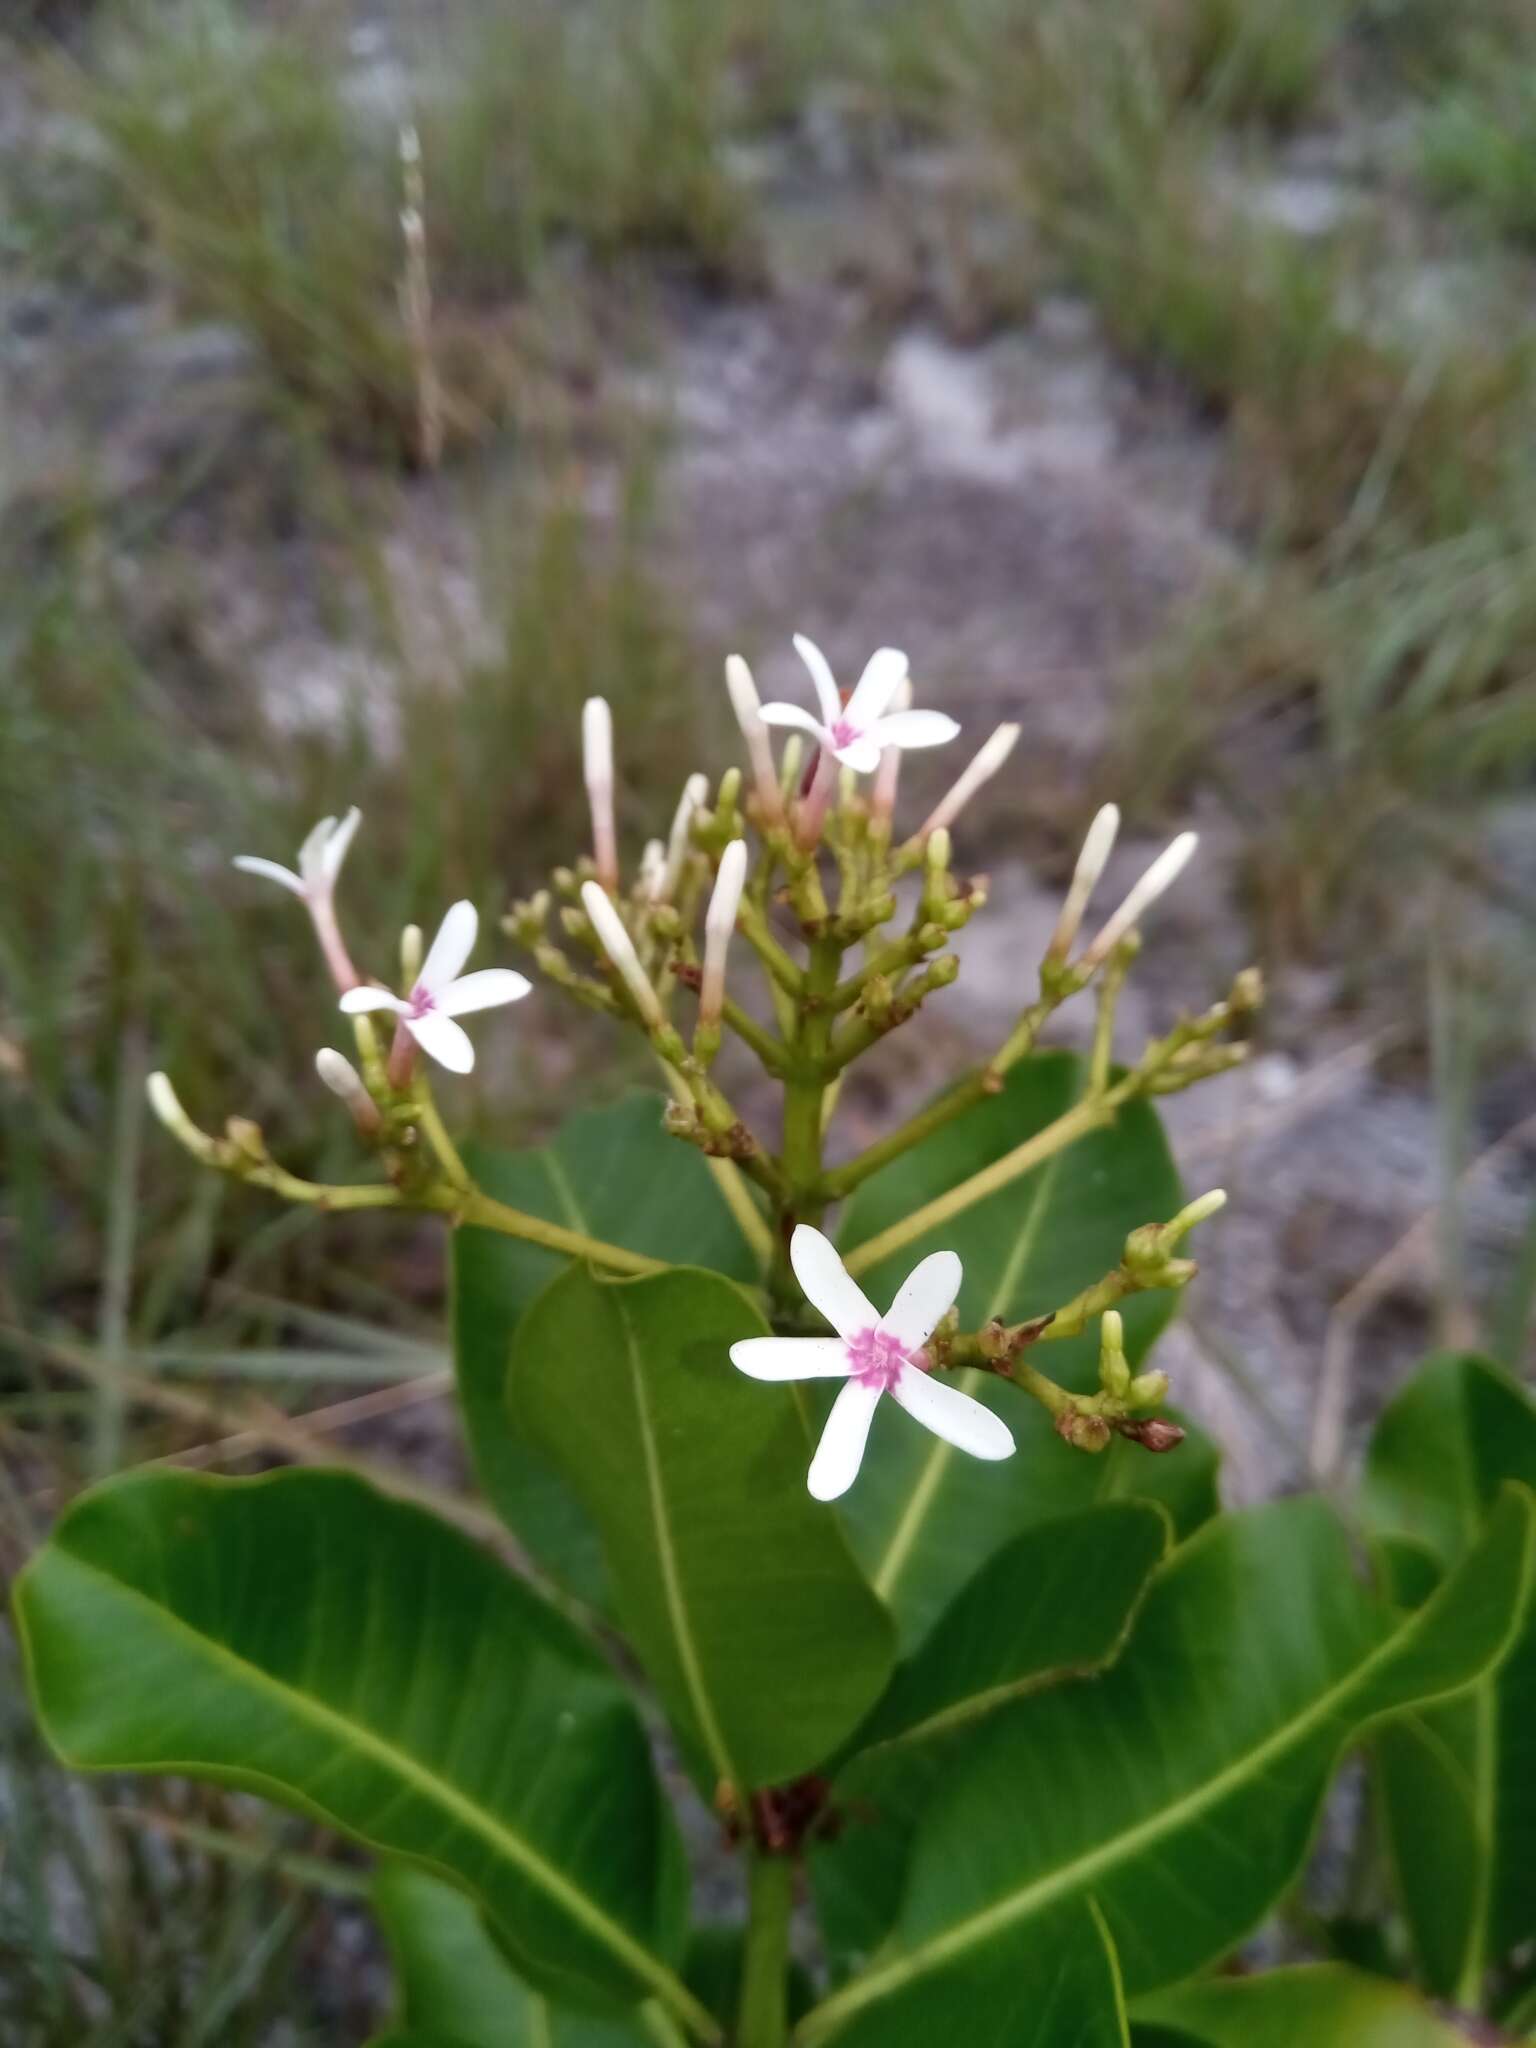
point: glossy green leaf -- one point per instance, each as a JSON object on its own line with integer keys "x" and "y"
{"x": 737, "y": 1589}
{"x": 616, "y": 1174}
{"x": 453, "y": 1983}
{"x": 1176, "y": 1793}
{"x": 1457, "y": 1782}
{"x": 1317, "y": 2005}
{"x": 1055, "y": 1603}
{"x": 923, "y": 1514}
{"x": 306, "y": 1637}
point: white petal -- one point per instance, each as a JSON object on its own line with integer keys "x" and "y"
{"x": 453, "y": 945}
{"x": 827, "y": 695}
{"x": 841, "y": 1450}
{"x": 447, "y": 1042}
{"x": 482, "y": 991}
{"x": 791, "y": 1358}
{"x": 338, "y": 842}
{"x": 791, "y": 714}
{"x": 312, "y": 852}
{"x": 952, "y": 1415}
{"x": 884, "y": 674}
{"x": 923, "y": 1299}
{"x": 861, "y": 755}
{"x": 914, "y": 729}
{"x": 827, "y": 1283}
{"x": 356, "y": 1000}
{"x": 249, "y": 864}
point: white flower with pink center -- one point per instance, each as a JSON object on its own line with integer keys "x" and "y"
{"x": 441, "y": 993}
{"x": 855, "y": 734}
{"x": 876, "y": 1355}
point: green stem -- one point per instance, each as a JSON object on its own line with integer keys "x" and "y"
{"x": 437, "y": 1136}
{"x": 750, "y": 1032}
{"x": 489, "y": 1214}
{"x": 763, "y": 2018}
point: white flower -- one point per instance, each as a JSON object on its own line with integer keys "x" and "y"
{"x": 855, "y": 734}
{"x": 320, "y": 859}
{"x": 876, "y": 1355}
{"x": 440, "y": 994}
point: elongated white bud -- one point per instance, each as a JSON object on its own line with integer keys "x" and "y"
{"x": 1097, "y": 847}
{"x": 982, "y": 768}
{"x": 597, "y": 767}
{"x": 719, "y": 924}
{"x": 695, "y": 791}
{"x": 888, "y": 774}
{"x": 1164, "y": 871}
{"x": 747, "y": 706}
{"x": 411, "y": 945}
{"x": 653, "y": 871}
{"x": 617, "y": 944}
{"x": 343, "y": 1080}
{"x": 166, "y": 1104}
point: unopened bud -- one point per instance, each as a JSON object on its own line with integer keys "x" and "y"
{"x": 410, "y": 955}
{"x": 653, "y": 871}
{"x": 1114, "y": 1372}
{"x": 247, "y": 1139}
{"x": 617, "y": 944}
{"x": 1198, "y": 1211}
{"x": 719, "y": 924}
{"x": 981, "y": 770}
{"x": 1151, "y": 1432}
{"x": 1097, "y": 847}
{"x": 1164, "y": 871}
{"x": 695, "y": 791}
{"x": 597, "y": 768}
{"x": 1148, "y": 1389}
{"x": 888, "y": 774}
{"x": 166, "y": 1105}
{"x": 344, "y": 1081}
{"x": 748, "y": 708}
{"x": 789, "y": 765}
{"x": 938, "y": 852}
{"x": 1082, "y": 1432}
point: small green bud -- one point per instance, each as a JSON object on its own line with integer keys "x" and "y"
{"x": 247, "y": 1139}
{"x": 1148, "y": 1390}
{"x": 666, "y": 922}
{"x": 1114, "y": 1372}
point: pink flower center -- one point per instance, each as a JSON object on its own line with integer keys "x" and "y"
{"x": 422, "y": 1000}
{"x": 875, "y": 1358}
{"x": 843, "y": 734}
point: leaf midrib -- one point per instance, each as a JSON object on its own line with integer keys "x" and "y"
{"x": 358, "y": 1736}
{"x": 671, "y": 1576}
{"x": 1046, "y": 1890}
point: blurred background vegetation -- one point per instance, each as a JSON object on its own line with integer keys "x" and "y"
{"x": 1275, "y": 262}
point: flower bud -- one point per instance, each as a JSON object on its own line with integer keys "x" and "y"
{"x": 617, "y": 944}
{"x": 981, "y": 770}
{"x": 1097, "y": 847}
{"x": 1164, "y": 871}
{"x": 747, "y": 705}
{"x": 695, "y": 792}
{"x": 653, "y": 871}
{"x": 1082, "y": 1432}
{"x": 410, "y": 955}
{"x": 719, "y": 924}
{"x": 166, "y": 1105}
{"x": 597, "y": 767}
{"x": 1147, "y": 1390}
{"x": 888, "y": 774}
{"x": 344, "y": 1081}
{"x": 1114, "y": 1372}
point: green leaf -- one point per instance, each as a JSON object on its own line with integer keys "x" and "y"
{"x": 1176, "y": 1793}
{"x": 1055, "y": 1603}
{"x": 303, "y": 1636}
{"x": 1457, "y": 1783}
{"x": 1316, "y": 2005}
{"x": 455, "y": 1985}
{"x": 737, "y": 1589}
{"x": 922, "y": 1514}
{"x": 616, "y": 1174}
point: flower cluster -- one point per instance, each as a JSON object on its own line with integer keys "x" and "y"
{"x": 799, "y": 859}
